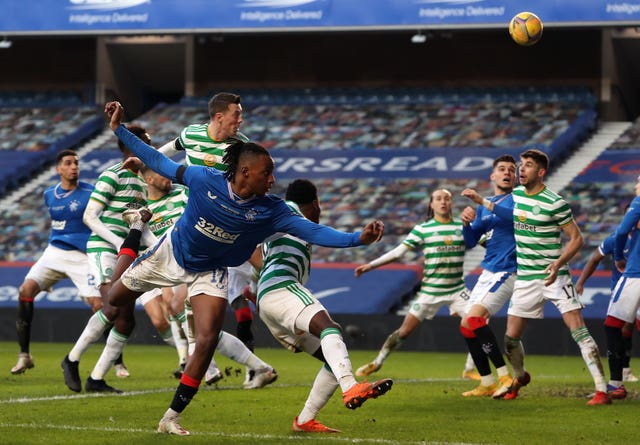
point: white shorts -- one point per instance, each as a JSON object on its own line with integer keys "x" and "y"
{"x": 529, "y": 297}
{"x": 101, "y": 267}
{"x": 239, "y": 277}
{"x": 287, "y": 312}
{"x": 56, "y": 264}
{"x": 625, "y": 299}
{"x": 157, "y": 268}
{"x": 425, "y": 306}
{"x": 492, "y": 290}
{"x": 148, "y": 296}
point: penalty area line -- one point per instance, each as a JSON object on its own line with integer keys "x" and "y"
{"x": 288, "y": 437}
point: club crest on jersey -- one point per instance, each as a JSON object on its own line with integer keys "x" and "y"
{"x": 209, "y": 160}
{"x": 522, "y": 216}
{"x": 251, "y": 215}
{"x": 535, "y": 210}
{"x": 74, "y": 205}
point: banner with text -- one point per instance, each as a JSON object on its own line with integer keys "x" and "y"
{"x": 144, "y": 16}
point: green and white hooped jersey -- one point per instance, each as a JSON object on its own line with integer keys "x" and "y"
{"x": 114, "y": 189}
{"x": 443, "y": 250}
{"x": 538, "y": 220}
{"x": 286, "y": 261}
{"x": 167, "y": 209}
{"x": 200, "y": 149}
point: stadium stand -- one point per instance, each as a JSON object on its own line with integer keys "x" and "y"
{"x": 35, "y": 126}
{"x": 630, "y": 139}
{"x": 274, "y": 117}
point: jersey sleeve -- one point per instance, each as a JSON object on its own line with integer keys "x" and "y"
{"x": 629, "y": 221}
{"x": 290, "y": 222}
{"x": 156, "y": 161}
{"x": 474, "y": 231}
{"x": 413, "y": 239}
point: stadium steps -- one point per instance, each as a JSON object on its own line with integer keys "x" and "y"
{"x": 16, "y": 195}
{"x": 605, "y": 135}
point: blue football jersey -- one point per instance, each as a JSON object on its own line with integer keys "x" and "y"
{"x": 66, "y": 208}
{"x": 500, "y": 255}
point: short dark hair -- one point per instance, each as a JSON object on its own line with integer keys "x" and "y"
{"x": 539, "y": 157}
{"x": 64, "y": 153}
{"x": 505, "y": 158}
{"x": 301, "y": 191}
{"x": 221, "y": 101}
{"x": 139, "y": 131}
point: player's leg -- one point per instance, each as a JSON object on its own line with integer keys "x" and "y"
{"x": 26, "y": 296}
{"x": 316, "y": 320}
{"x": 208, "y": 316}
{"x": 231, "y": 347}
{"x": 627, "y": 338}
{"x": 562, "y": 294}
{"x": 177, "y": 318}
{"x": 153, "y": 307}
{"x": 324, "y": 385}
{"x": 590, "y": 354}
{"x": 615, "y": 353}
{"x": 100, "y": 266}
{"x": 239, "y": 277}
{"x": 124, "y": 322}
{"x": 622, "y": 309}
{"x": 468, "y": 327}
{"x": 424, "y": 307}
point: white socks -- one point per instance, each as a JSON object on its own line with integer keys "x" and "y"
{"x": 112, "y": 350}
{"x": 323, "y": 388}
{"x": 92, "y": 332}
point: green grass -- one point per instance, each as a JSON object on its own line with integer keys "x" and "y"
{"x": 424, "y": 406}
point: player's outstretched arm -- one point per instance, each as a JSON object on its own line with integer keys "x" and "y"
{"x": 393, "y": 255}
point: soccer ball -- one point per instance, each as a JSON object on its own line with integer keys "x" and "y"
{"x": 525, "y": 28}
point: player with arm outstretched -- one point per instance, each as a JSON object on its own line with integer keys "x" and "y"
{"x": 442, "y": 244}
{"x": 226, "y": 216}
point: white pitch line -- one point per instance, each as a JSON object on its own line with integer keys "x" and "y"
{"x": 288, "y": 437}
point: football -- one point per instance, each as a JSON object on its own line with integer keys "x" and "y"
{"x": 525, "y": 28}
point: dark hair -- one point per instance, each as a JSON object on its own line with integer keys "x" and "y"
{"x": 301, "y": 191}
{"x": 221, "y": 101}
{"x": 538, "y": 156}
{"x": 505, "y": 158}
{"x": 233, "y": 153}
{"x": 139, "y": 131}
{"x": 64, "y": 153}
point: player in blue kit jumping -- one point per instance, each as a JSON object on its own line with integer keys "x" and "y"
{"x": 226, "y": 216}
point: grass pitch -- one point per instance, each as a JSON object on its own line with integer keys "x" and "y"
{"x": 423, "y": 407}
